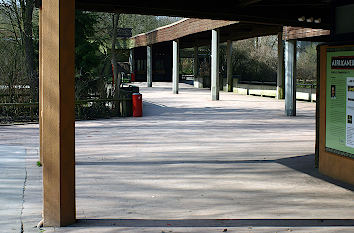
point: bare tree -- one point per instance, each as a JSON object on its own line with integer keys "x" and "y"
{"x": 18, "y": 26}
{"x": 115, "y": 20}
{"x": 27, "y": 7}
{"x": 11, "y": 74}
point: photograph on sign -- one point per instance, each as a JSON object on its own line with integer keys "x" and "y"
{"x": 350, "y": 112}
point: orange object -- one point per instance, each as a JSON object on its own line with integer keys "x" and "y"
{"x": 137, "y": 105}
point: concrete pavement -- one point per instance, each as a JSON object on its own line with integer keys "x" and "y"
{"x": 190, "y": 165}
{"x": 12, "y": 184}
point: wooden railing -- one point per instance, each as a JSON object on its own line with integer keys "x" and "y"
{"x": 32, "y": 114}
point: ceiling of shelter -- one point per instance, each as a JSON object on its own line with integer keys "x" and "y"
{"x": 314, "y": 14}
{"x": 234, "y": 32}
{"x": 197, "y": 32}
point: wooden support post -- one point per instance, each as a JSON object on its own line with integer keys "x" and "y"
{"x": 318, "y": 101}
{"x": 58, "y": 120}
{"x": 40, "y": 111}
{"x": 175, "y": 66}
{"x": 215, "y": 85}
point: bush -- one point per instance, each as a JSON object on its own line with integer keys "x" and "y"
{"x": 10, "y": 114}
{"x": 256, "y": 59}
{"x": 306, "y": 66}
{"x": 92, "y": 111}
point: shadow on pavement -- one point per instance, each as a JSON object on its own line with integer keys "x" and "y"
{"x": 304, "y": 164}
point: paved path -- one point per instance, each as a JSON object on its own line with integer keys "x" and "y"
{"x": 195, "y": 165}
{"x": 12, "y": 184}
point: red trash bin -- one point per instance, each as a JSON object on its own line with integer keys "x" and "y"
{"x": 137, "y": 105}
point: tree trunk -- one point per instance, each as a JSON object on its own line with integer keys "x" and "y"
{"x": 27, "y": 35}
{"x": 115, "y": 19}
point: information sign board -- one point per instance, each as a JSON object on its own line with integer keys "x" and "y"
{"x": 340, "y": 101}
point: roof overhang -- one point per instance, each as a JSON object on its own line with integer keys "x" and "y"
{"x": 261, "y": 11}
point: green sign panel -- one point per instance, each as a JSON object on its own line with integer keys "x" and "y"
{"x": 340, "y": 101}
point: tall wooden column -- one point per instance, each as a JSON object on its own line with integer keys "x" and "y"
{"x": 58, "y": 114}
{"x": 40, "y": 84}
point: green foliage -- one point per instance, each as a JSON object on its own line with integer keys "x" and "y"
{"x": 93, "y": 41}
{"x": 255, "y": 59}
{"x": 186, "y": 65}
{"x": 92, "y": 111}
{"x": 145, "y": 23}
{"x": 87, "y": 53}
{"x": 15, "y": 113}
{"x": 306, "y": 70}
{"x": 93, "y": 46}
{"x": 251, "y": 68}
{"x": 138, "y": 23}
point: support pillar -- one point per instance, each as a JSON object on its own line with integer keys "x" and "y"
{"x": 280, "y": 71}
{"x": 57, "y": 35}
{"x": 198, "y": 81}
{"x": 290, "y": 78}
{"x": 40, "y": 84}
{"x": 229, "y": 65}
{"x": 215, "y": 85}
{"x": 175, "y": 66}
{"x": 195, "y": 62}
{"x": 149, "y": 65}
{"x": 131, "y": 60}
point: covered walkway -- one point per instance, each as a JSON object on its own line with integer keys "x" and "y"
{"x": 190, "y": 161}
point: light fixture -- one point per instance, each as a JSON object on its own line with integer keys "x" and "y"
{"x": 301, "y": 19}
{"x": 318, "y": 20}
{"x": 309, "y": 20}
